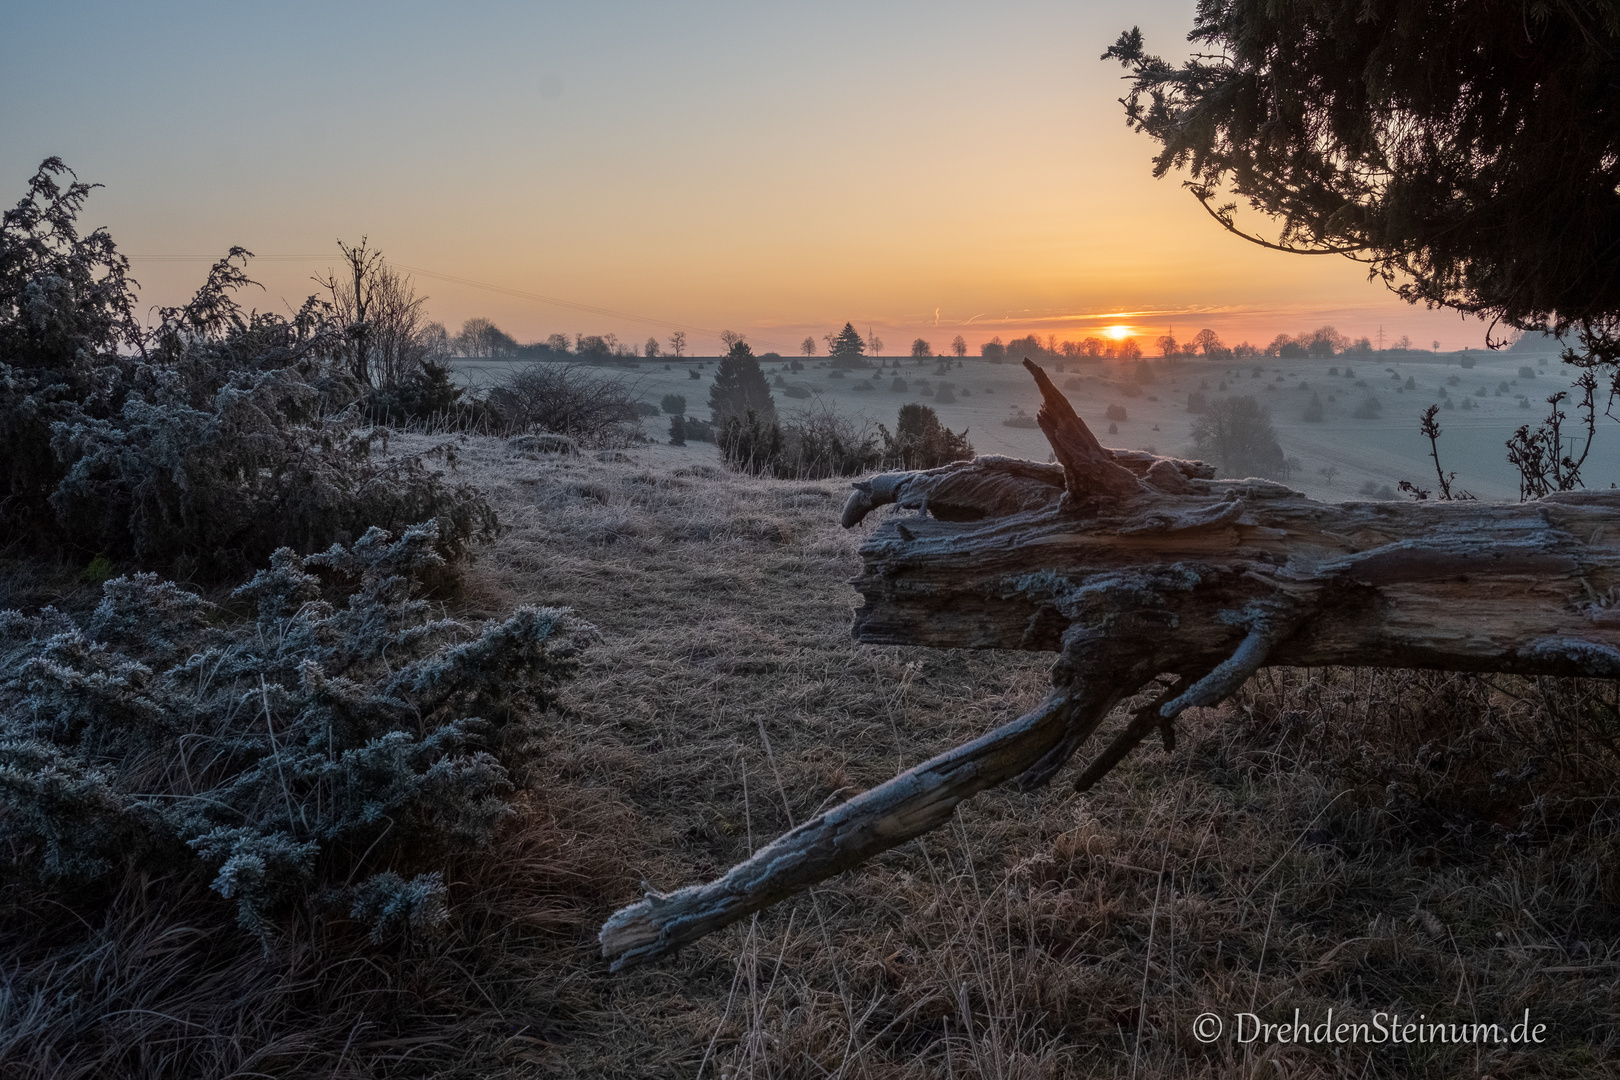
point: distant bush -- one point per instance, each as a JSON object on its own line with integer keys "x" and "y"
{"x": 1466, "y": 362}
{"x": 1115, "y": 413}
{"x": 356, "y": 738}
{"x": 751, "y": 442}
{"x": 945, "y": 396}
{"x": 1020, "y": 419}
{"x": 1237, "y": 436}
{"x": 566, "y": 399}
{"x": 798, "y": 391}
{"x": 677, "y": 430}
{"x": 1369, "y": 409}
{"x": 811, "y": 444}
{"x": 1197, "y": 402}
{"x": 920, "y": 441}
{"x": 1526, "y": 371}
{"x": 699, "y": 430}
{"x": 1314, "y": 411}
{"x": 674, "y": 404}
{"x": 1373, "y": 490}
{"x": 899, "y": 385}
{"x": 427, "y": 394}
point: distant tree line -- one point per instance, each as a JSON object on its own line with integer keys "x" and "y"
{"x": 1323, "y": 342}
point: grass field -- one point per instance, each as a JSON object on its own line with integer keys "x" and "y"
{"x": 1361, "y": 841}
{"x": 1355, "y": 840}
{"x": 1384, "y": 451}
{"x": 1330, "y": 839}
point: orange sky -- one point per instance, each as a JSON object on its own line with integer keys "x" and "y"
{"x": 919, "y": 169}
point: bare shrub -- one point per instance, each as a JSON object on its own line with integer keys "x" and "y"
{"x": 592, "y": 409}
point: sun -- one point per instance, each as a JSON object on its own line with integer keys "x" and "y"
{"x": 1118, "y": 333}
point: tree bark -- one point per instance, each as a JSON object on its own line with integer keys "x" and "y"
{"x": 1132, "y": 567}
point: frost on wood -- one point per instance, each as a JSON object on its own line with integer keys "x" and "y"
{"x": 1147, "y": 576}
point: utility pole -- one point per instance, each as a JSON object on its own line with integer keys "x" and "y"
{"x": 1380, "y": 337}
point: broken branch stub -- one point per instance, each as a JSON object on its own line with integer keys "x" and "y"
{"x": 1130, "y": 567}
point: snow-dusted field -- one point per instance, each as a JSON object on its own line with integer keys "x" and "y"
{"x": 1383, "y": 451}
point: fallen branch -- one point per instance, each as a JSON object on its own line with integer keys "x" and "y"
{"x": 1132, "y": 567}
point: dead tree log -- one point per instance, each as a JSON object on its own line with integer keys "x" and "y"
{"x": 1133, "y": 567}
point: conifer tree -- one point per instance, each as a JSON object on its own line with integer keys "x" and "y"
{"x": 1469, "y": 154}
{"x": 740, "y": 387}
{"x": 847, "y": 348}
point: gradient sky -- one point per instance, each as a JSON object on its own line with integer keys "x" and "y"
{"x": 920, "y": 168}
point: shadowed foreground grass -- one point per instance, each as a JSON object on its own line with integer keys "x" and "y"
{"x": 1365, "y": 841}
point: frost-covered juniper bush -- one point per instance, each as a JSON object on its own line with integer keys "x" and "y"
{"x": 329, "y": 753}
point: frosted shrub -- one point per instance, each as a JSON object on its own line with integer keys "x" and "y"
{"x": 208, "y": 441}
{"x": 327, "y": 751}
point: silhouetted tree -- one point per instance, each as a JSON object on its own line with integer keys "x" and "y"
{"x": 959, "y": 346}
{"x": 1236, "y": 434}
{"x": 1206, "y": 341}
{"x": 846, "y": 348}
{"x": 921, "y": 350}
{"x": 480, "y": 337}
{"x": 652, "y": 348}
{"x": 677, "y": 344}
{"x": 1470, "y": 154}
{"x": 1028, "y": 347}
{"x": 384, "y": 319}
{"x": 993, "y": 350}
{"x": 807, "y": 347}
{"x": 740, "y": 388}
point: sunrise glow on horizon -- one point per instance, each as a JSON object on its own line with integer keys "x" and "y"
{"x": 918, "y": 172}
